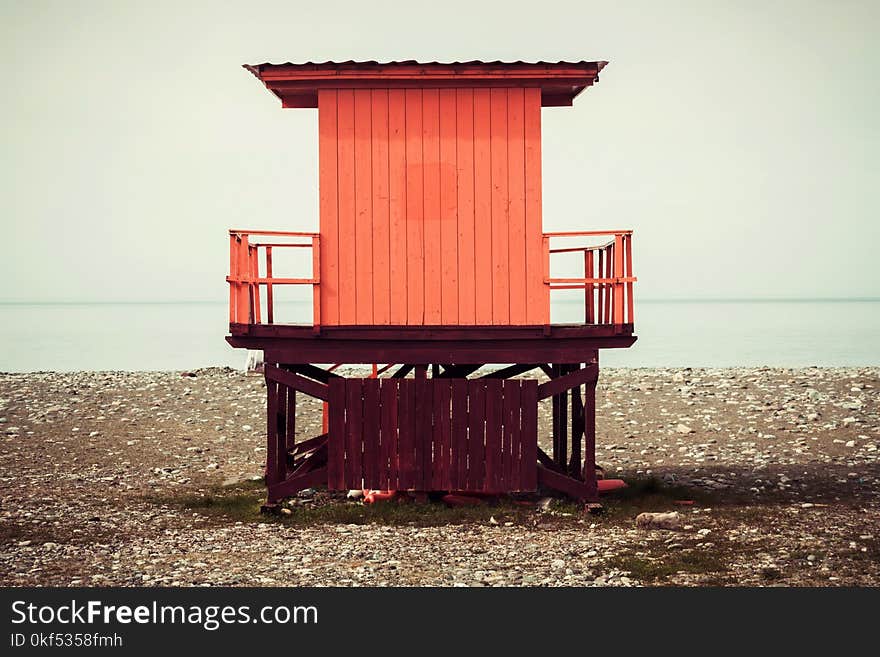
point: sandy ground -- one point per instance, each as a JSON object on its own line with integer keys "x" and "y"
{"x": 120, "y": 478}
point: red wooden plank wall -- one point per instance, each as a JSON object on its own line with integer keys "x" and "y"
{"x": 430, "y": 204}
{"x": 433, "y": 434}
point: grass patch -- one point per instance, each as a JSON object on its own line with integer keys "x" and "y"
{"x": 242, "y": 502}
{"x": 429, "y": 514}
{"x": 238, "y": 502}
{"x": 651, "y": 570}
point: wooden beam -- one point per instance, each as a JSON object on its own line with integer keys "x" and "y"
{"x": 562, "y": 483}
{"x": 316, "y": 459}
{"x": 563, "y": 350}
{"x": 309, "y": 444}
{"x": 402, "y": 371}
{"x": 418, "y": 334}
{"x": 568, "y": 381}
{"x": 545, "y": 460}
{"x": 297, "y": 382}
{"x": 292, "y": 485}
{"x": 458, "y": 371}
{"x": 311, "y": 371}
{"x": 511, "y": 370}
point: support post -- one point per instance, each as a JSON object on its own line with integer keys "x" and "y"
{"x": 590, "y": 442}
{"x": 577, "y": 430}
{"x": 560, "y": 424}
{"x": 554, "y": 373}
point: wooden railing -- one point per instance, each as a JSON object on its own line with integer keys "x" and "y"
{"x": 244, "y": 273}
{"x": 607, "y": 281}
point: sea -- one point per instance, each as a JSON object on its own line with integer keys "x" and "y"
{"x": 671, "y": 333}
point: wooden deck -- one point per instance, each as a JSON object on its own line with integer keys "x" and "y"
{"x": 430, "y": 344}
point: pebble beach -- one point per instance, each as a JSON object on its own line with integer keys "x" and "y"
{"x": 774, "y": 474}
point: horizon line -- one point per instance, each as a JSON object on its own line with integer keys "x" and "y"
{"x": 739, "y": 299}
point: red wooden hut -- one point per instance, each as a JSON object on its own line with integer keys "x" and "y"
{"x": 432, "y": 256}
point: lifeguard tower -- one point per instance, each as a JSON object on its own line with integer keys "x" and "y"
{"x": 432, "y": 259}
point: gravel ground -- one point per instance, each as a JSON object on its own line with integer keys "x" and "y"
{"x": 106, "y": 478}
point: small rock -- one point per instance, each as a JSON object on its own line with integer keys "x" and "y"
{"x": 683, "y": 428}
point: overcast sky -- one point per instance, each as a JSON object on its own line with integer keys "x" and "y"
{"x": 740, "y": 140}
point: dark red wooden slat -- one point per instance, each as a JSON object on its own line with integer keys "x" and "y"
{"x": 371, "y": 433}
{"x": 459, "y": 437}
{"x": 353, "y": 433}
{"x": 406, "y": 429}
{"x": 476, "y": 473}
{"x": 506, "y": 413}
{"x": 441, "y": 406}
{"x": 510, "y": 439}
{"x": 336, "y": 435}
{"x": 528, "y": 476}
{"x": 445, "y": 419}
{"x": 436, "y": 466}
{"x": 494, "y": 402}
{"x": 423, "y": 433}
{"x": 389, "y": 392}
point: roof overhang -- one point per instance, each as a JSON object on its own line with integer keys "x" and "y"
{"x": 297, "y": 85}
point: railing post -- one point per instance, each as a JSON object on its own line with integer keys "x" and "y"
{"x": 618, "y": 285}
{"x": 609, "y": 290}
{"x": 270, "y": 311}
{"x": 243, "y": 276}
{"x": 254, "y": 258}
{"x": 233, "y": 275}
{"x": 545, "y": 259}
{"x": 589, "y": 310}
{"x": 600, "y": 287}
{"x": 316, "y": 286}
{"x": 629, "y": 285}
